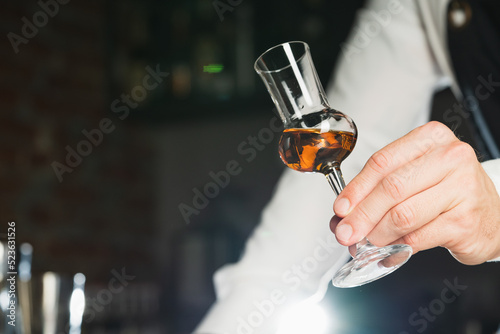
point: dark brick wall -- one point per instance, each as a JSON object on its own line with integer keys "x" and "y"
{"x": 56, "y": 85}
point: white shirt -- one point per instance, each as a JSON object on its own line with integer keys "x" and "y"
{"x": 390, "y": 67}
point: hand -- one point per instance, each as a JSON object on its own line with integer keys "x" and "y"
{"x": 426, "y": 189}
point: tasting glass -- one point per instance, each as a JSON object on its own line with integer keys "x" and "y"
{"x": 317, "y": 138}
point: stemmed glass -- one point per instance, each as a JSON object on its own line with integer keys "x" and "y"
{"x": 316, "y": 139}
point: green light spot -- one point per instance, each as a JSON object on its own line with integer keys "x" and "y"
{"x": 213, "y": 68}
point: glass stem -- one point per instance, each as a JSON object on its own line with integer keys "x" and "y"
{"x": 334, "y": 177}
{"x": 336, "y": 181}
{"x": 363, "y": 246}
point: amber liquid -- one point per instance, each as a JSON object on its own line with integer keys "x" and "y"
{"x": 309, "y": 150}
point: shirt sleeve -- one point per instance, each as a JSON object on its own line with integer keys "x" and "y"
{"x": 384, "y": 81}
{"x": 492, "y": 168}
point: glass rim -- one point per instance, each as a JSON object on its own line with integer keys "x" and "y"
{"x": 258, "y": 70}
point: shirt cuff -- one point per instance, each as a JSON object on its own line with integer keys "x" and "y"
{"x": 492, "y": 168}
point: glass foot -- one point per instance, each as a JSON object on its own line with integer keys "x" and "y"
{"x": 371, "y": 264}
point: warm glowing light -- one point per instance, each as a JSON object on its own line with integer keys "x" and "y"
{"x": 304, "y": 318}
{"x": 50, "y": 307}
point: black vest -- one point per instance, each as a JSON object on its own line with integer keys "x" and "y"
{"x": 474, "y": 44}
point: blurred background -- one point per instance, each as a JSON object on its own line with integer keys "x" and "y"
{"x": 115, "y": 113}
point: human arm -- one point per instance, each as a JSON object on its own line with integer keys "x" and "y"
{"x": 386, "y": 86}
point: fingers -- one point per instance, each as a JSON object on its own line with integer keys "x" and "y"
{"x": 333, "y": 225}
{"x": 425, "y": 190}
{"x": 431, "y": 235}
{"x": 352, "y": 250}
{"x": 396, "y": 193}
{"x": 406, "y": 149}
{"x": 413, "y": 213}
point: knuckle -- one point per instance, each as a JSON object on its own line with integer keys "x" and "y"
{"x": 438, "y": 131}
{"x": 412, "y": 239}
{"x": 435, "y": 126}
{"x": 468, "y": 217}
{"x": 460, "y": 151}
{"x": 362, "y": 214}
{"x": 393, "y": 186}
{"x": 380, "y": 161}
{"x": 469, "y": 152}
{"x": 459, "y": 217}
{"x": 472, "y": 190}
{"x": 402, "y": 216}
